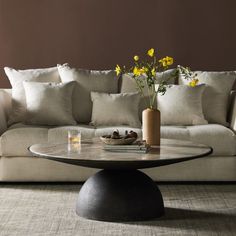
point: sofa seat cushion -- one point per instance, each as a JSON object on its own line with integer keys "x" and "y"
{"x": 175, "y": 132}
{"x": 220, "y": 138}
{"x": 102, "y": 130}
{"x": 22, "y": 125}
{"x": 15, "y": 141}
{"x": 59, "y": 134}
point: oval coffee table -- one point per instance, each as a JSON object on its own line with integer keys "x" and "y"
{"x": 120, "y": 192}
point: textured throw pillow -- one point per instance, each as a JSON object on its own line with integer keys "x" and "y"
{"x": 49, "y": 103}
{"x": 16, "y": 78}
{"x": 182, "y": 105}
{"x": 216, "y": 95}
{"x": 128, "y": 85}
{"x": 115, "y": 109}
{"x": 87, "y": 81}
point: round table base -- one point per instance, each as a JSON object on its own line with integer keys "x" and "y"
{"x": 120, "y": 195}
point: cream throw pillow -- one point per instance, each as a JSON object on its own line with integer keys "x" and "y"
{"x": 87, "y": 81}
{"x": 48, "y": 103}
{"x": 216, "y": 95}
{"x": 115, "y": 109}
{"x": 16, "y": 78}
{"x": 182, "y": 105}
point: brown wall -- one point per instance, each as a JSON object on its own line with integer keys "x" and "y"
{"x": 98, "y": 34}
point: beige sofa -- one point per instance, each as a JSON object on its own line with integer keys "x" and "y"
{"x": 17, "y": 164}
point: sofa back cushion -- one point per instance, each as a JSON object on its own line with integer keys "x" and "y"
{"x": 128, "y": 85}
{"x": 87, "y": 81}
{"x": 16, "y": 78}
{"x": 215, "y": 98}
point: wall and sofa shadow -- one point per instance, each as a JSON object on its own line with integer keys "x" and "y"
{"x": 99, "y": 34}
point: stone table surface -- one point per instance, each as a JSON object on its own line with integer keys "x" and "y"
{"x": 92, "y": 154}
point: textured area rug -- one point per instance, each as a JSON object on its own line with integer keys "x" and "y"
{"x": 50, "y": 210}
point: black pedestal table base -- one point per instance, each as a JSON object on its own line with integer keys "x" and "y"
{"x": 120, "y": 195}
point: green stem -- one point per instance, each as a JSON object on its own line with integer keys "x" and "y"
{"x": 150, "y": 103}
{"x": 154, "y": 95}
{"x": 140, "y": 88}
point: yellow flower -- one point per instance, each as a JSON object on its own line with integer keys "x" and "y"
{"x": 193, "y": 82}
{"x": 136, "y": 71}
{"x": 136, "y": 58}
{"x": 163, "y": 62}
{"x": 166, "y": 61}
{"x": 151, "y": 52}
{"x": 153, "y": 72}
{"x": 169, "y": 60}
{"x": 139, "y": 71}
{"x": 118, "y": 70}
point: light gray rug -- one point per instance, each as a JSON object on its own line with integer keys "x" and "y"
{"x": 50, "y": 210}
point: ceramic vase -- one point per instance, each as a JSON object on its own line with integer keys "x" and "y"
{"x": 151, "y": 126}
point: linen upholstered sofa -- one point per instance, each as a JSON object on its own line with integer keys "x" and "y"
{"x": 17, "y": 163}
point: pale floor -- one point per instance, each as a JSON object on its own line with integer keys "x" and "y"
{"x": 49, "y": 209}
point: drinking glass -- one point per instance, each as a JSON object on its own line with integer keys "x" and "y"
{"x": 74, "y": 140}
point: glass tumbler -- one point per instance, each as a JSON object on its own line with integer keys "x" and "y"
{"x": 74, "y": 140}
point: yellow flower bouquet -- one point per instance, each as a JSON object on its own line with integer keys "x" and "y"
{"x": 145, "y": 74}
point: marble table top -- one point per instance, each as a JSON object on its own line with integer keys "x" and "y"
{"x": 91, "y": 154}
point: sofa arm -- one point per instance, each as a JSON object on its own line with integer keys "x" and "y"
{"x": 5, "y": 108}
{"x": 232, "y": 114}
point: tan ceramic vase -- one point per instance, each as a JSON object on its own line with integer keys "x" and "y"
{"x": 151, "y": 126}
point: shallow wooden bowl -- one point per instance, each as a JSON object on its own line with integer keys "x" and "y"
{"x": 120, "y": 141}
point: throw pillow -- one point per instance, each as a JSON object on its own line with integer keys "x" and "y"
{"x": 128, "y": 85}
{"x": 87, "y": 81}
{"x": 115, "y": 109}
{"x": 181, "y": 105}
{"x": 49, "y": 103}
{"x": 16, "y": 78}
{"x": 216, "y": 95}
